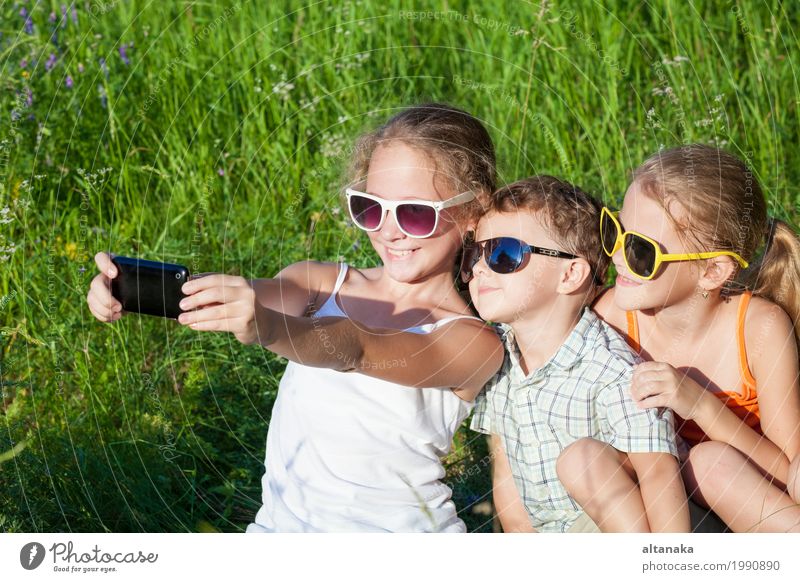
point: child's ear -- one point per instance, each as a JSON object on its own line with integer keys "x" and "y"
{"x": 718, "y": 270}
{"x": 574, "y": 276}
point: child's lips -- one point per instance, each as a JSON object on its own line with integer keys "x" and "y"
{"x": 484, "y": 289}
{"x": 624, "y": 281}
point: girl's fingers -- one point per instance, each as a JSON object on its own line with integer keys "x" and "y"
{"x": 222, "y": 311}
{"x": 103, "y": 261}
{"x": 101, "y": 293}
{"x": 646, "y": 390}
{"x": 652, "y": 402}
{"x": 643, "y": 376}
{"x": 215, "y": 280}
{"x": 104, "y": 317}
{"x": 204, "y": 297}
{"x": 215, "y": 295}
{"x": 216, "y": 325}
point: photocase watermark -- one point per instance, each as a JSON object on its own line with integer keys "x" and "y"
{"x": 168, "y": 449}
{"x": 55, "y": 349}
{"x": 67, "y": 559}
{"x": 664, "y": 88}
{"x": 539, "y": 121}
{"x": 746, "y": 218}
{"x": 454, "y": 15}
{"x": 167, "y": 71}
{"x": 740, "y": 18}
{"x": 349, "y": 361}
{"x": 199, "y": 221}
{"x": 570, "y": 20}
{"x": 98, "y": 8}
{"x": 7, "y": 299}
{"x": 493, "y": 90}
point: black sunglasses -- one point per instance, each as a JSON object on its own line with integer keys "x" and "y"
{"x": 503, "y": 255}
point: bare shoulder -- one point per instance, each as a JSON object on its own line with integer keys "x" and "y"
{"x": 767, "y": 328}
{"x": 313, "y": 274}
{"x": 606, "y": 309}
{"x": 316, "y": 276}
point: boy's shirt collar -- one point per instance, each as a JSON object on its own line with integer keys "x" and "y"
{"x": 568, "y": 354}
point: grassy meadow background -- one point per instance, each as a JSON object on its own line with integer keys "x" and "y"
{"x": 214, "y": 134}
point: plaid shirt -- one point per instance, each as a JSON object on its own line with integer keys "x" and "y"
{"x": 582, "y": 391}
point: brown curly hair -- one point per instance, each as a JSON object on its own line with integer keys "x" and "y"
{"x": 568, "y": 214}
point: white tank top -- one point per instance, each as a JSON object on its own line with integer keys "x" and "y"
{"x": 350, "y": 453}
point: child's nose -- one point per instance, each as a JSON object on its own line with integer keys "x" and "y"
{"x": 480, "y": 268}
{"x": 389, "y": 229}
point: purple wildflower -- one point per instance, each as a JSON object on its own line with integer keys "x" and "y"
{"x": 52, "y": 17}
{"x": 68, "y": 82}
{"x": 123, "y": 53}
{"x": 80, "y": 67}
{"x": 28, "y": 22}
{"x": 28, "y": 97}
{"x": 221, "y": 172}
{"x": 23, "y": 63}
{"x": 74, "y": 15}
{"x": 51, "y": 62}
{"x": 63, "y": 16}
{"x": 103, "y": 67}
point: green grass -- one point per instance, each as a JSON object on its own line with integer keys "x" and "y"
{"x": 225, "y": 138}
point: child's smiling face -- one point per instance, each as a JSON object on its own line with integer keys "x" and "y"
{"x": 674, "y": 281}
{"x": 506, "y": 298}
{"x": 396, "y": 172}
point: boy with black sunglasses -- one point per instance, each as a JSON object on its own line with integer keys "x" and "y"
{"x": 534, "y": 268}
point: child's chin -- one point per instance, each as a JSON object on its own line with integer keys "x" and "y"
{"x": 633, "y": 299}
{"x": 488, "y": 313}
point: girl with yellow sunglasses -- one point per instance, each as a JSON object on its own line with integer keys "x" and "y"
{"x": 718, "y": 333}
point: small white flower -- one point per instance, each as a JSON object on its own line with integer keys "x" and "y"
{"x": 282, "y": 89}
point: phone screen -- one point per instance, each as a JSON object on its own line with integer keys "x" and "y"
{"x": 149, "y": 287}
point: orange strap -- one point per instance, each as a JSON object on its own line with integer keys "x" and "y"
{"x": 747, "y": 377}
{"x": 633, "y": 331}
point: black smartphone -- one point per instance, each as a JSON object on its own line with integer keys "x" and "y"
{"x": 149, "y": 287}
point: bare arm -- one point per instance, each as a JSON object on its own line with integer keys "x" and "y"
{"x": 507, "y": 502}
{"x": 294, "y": 289}
{"x": 775, "y": 366}
{"x": 464, "y": 354}
{"x": 662, "y": 490}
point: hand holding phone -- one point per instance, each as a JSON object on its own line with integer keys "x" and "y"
{"x": 148, "y": 287}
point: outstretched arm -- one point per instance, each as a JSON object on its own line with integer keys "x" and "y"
{"x": 462, "y": 354}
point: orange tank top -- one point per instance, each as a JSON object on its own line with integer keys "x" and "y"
{"x": 745, "y": 405}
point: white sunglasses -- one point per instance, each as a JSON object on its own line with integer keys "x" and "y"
{"x": 415, "y": 218}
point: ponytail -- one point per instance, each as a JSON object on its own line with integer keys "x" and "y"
{"x": 777, "y": 277}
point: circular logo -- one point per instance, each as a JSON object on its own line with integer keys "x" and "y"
{"x": 31, "y": 555}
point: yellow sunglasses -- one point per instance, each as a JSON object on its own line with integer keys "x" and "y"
{"x": 642, "y": 254}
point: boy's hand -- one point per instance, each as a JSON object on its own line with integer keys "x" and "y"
{"x": 657, "y": 384}
{"x": 101, "y": 302}
{"x": 221, "y": 303}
